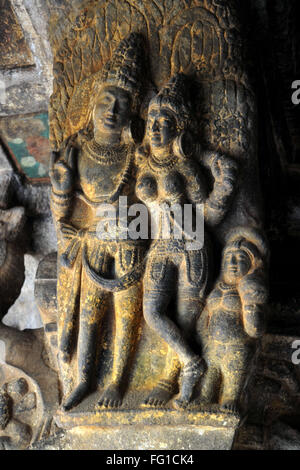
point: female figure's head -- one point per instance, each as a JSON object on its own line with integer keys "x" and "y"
{"x": 116, "y": 95}
{"x": 169, "y": 116}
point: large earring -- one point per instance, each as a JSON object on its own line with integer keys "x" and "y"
{"x": 133, "y": 133}
{"x": 183, "y": 145}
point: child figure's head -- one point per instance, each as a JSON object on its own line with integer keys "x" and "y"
{"x": 243, "y": 256}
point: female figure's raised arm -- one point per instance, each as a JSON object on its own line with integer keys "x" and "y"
{"x": 224, "y": 171}
{"x": 195, "y": 183}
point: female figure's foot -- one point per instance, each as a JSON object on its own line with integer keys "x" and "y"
{"x": 230, "y": 406}
{"x": 111, "y": 397}
{"x": 190, "y": 376}
{"x": 160, "y": 395}
{"x": 76, "y": 396}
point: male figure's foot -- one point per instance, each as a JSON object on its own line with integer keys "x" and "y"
{"x": 76, "y": 396}
{"x": 111, "y": 397}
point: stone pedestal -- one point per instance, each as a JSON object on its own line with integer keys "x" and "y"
{"x": 147, "y": 429}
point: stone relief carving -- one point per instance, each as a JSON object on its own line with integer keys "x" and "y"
{"x": 154, "y": 108}
{"x": 97, "y": 166}
{"x": 28, "y": 389}
{"x": 200, "y": 41}
{"x": 170, "y": 174}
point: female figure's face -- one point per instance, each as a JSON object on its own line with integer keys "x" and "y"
{"x": 236, "y": 264}
{"x": 112, "y": 112}
{"x": 161, "y": 127}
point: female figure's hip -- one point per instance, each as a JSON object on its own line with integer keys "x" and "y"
{"x": 167, "y": 269}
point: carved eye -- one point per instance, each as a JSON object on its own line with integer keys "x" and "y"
{"x": 106, "y": 99}
{"x": 123, "y": 103}
{"x": 103, "y": 100}
{"x": 167, "y": 122}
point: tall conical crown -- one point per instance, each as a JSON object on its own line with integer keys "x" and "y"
{"x": 126, "y": 67}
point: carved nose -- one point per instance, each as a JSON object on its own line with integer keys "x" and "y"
{"x": 155, "y": 127}
{"x": 234, "y": 261}
{"x": 113, "y": 108}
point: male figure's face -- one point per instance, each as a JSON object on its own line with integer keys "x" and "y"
{"x": 112, "y": 110}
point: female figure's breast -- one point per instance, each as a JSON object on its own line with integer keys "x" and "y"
{"x": 160, "y": 187}
{"x": 173, "y": 187}
{"x": 147, "y": 188}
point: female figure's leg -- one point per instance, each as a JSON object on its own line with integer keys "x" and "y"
{"x": 167, "y": 385}
{"x": 192, "y": 286}
{"x": 187, "y": 314}
{"x": 160, "y": 286}
{"x": 157, "y": 297}
{"x": 191, "y": 290}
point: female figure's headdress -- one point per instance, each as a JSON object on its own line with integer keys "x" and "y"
{"x": 175, "y": 96}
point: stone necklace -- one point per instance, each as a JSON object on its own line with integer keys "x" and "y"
{"x": 106, "y": 154}
{"x": 162, "y": 165}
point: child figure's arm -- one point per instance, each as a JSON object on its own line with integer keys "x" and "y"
{"x": 254, "y": 298}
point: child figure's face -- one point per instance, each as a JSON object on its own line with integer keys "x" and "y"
{"x": 236, "y": 264}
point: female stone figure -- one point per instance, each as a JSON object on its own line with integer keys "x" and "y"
{"x": 233, "y": 319}
{"x": 168, "y": 175}
{"x": 91, "y": 171}
{"x": 168, "y": 178}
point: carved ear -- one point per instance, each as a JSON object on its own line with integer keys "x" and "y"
{"x": 183, "y": 145}
{"x": 134, "y": 132}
